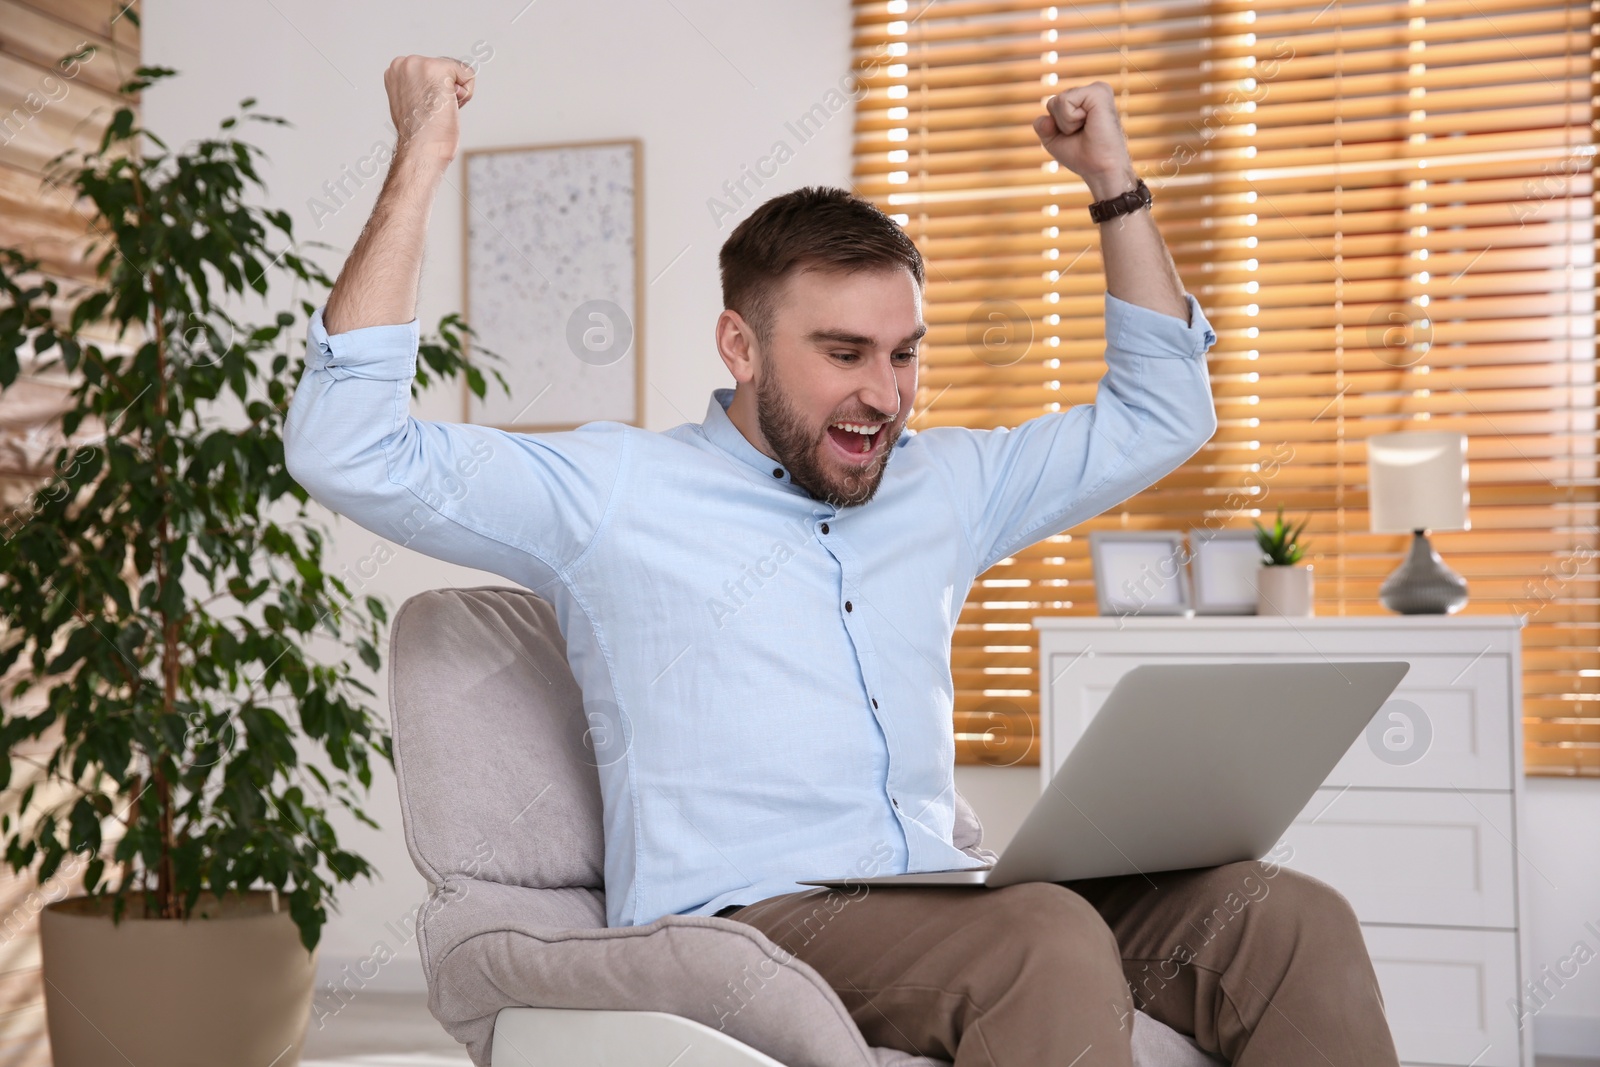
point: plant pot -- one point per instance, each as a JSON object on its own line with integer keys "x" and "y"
{"x": 232, "y": 985}
{"x": 1284, "y": 590}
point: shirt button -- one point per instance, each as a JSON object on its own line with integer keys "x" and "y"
{"x": 777, "y": 472}
{"x": 824, "y": 527}
{"x": 874, "y": 701}
{"x": 847, "y": 606}
{"x": 895, "y": 801}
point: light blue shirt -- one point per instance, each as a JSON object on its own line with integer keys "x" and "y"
{"x": 766, "y": 677}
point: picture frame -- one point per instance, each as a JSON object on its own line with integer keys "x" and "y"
{"x": 552, "y": 281}
{"x": 1223, "y": 565}
{"x": 1140, "y": 572}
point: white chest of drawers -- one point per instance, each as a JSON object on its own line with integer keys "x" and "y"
{"x": 1418, "y": 825}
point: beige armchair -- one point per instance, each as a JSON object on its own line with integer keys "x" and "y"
{"x": 501, "y": 806}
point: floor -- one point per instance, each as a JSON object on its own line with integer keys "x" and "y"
{"x": 395, "y": 1030}
{"x": 384, "y": 1030}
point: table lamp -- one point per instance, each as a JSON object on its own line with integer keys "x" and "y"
{"x": 1418, "y": 482}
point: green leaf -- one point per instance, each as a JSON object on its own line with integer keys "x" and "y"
{"x": 118, "y": 129}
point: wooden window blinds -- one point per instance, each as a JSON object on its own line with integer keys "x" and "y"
{"x": 1385, "y": 210}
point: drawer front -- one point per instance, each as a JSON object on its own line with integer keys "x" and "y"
{"x": 1446, "y": 993}
{"x": 1432, "y": 859}
{"x": 1446, "y": 727}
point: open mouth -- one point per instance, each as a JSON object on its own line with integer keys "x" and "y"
{"x": 856, "y": 441}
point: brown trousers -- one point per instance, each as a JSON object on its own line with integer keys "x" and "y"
{"x": 1261, "y": 965}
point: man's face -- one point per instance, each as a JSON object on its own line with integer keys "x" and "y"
{"x": 835, "y": 383}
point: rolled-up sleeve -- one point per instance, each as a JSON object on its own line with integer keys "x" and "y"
{"x": 1132, "y": 329}
{"x": 523, "y": 506}
{"x": 1153, "y": 409}
{"x": 379, "y": 353}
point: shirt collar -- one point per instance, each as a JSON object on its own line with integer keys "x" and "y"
{"x": 720, "y": 431}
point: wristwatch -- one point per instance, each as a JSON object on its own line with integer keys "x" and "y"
{"x": 1132, "y": 200}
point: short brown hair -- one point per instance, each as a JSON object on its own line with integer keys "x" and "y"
{"x": 814, "y": 228}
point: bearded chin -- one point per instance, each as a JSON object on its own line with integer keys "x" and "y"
{"x": 798, "y": 447}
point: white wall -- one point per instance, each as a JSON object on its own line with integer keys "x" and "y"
{"x": 708, "y": 85}
{"x": 709, "y": 92}
{"x": 1560, "y": 872}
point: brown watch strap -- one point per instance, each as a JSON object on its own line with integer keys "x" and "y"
{"x": 1122, "y": 204}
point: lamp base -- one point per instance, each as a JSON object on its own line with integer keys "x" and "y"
{"x": 1423, "y": 585}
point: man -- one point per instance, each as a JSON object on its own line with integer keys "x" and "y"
{"x": 759, "y": 608}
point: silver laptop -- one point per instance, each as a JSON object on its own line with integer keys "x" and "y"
{"x": 1185, "y": 765}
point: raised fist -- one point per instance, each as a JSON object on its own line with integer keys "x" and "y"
{"x": 1081, "y": 131}
{"x": 425, "y": 94}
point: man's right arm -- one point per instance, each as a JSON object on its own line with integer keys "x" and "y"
{"x": 524, "y": 506}
{"x": 378, "y": 284}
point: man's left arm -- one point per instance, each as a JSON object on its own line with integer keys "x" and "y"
{"x": 1153, "y": 408}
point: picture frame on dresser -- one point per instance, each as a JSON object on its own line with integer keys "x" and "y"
{"x": 1223, "y": 566}
{"x": 1140, "y": 572}
{"x": 1418, "y": 826}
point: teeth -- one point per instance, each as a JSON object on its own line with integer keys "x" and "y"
{"x": 860, "y": 427}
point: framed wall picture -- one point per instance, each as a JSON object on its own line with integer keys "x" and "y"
{"x": 1224, "y": 565}
{"x": 1140, "y": 572}
{"x": 553, "y": 282}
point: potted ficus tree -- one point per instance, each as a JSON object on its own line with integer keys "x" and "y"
{"x": 1283, "y": 582}
{"x": 157, "y": 597}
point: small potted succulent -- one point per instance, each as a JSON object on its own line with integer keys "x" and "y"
{"x": 1283, "y": 584}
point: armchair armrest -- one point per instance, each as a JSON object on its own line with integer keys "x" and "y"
{"x": 486, "y": 949}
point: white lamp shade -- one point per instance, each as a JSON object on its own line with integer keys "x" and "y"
{"x": 1417, "y": 481}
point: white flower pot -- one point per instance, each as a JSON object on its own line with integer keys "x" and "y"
{"x": 1284, "y": 590}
